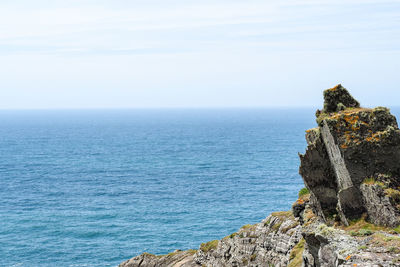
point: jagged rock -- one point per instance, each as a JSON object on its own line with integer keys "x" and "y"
{"x": 268, "y": 242}
{"x": 175, "y": 259}
{"x": 349, "y": 146}
{"x": 318, "y": 175}
{"x": 378, "y": 205}
{"x": 337, "y": 99}
{"x": 327, "y": 246}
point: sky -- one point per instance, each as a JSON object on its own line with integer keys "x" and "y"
{"x": 83, "y": 54}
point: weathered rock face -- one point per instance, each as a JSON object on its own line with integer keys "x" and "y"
{"x": 175, "y": 259}
{"x": 267, "y": 243}
{"x": 350, "y": 146}
{"x": 350, "y": 215}
{"x": 337, "y": 99}
{"x": 328, "y": 246}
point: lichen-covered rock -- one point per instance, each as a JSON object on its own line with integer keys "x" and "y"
{"x": 351, "y": 145}
{"x": 381, "y": 208}
{"x": 327, "y": 246}
{"x": 338, "y": 98}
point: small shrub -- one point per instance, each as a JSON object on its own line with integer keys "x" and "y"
{"x": 372, "y": 181}
{"x": 192, "y": 251}
{"x": 206, "y": 247}
{"x": 287, "y": 228}
{"x": 365, "y": 232}
{"x": 393, "y": 193}
{"x": 283, "y": 215}
{"x": 340, "y": 107}
{"x": 276, "y": 226}
{"x": 253, "y": 257}
{"x": 247, "y": 226}
{"x": 361, "y": 232}
{"x": 296, "y": 255}
{"x": 303, "y": 191}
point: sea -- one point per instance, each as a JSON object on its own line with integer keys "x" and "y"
{"x": 97, "y": 187}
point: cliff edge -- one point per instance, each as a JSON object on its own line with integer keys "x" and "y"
{"x": 348, "y": 214}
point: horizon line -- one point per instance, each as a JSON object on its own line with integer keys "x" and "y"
{"x": 155, "y": 108}
{"x": 166, "y": 108}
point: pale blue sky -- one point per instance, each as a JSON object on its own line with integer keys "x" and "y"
{"x": 220, "y": 53}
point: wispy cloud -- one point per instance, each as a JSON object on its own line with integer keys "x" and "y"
{"x": 181, "y": 53}
{"x": 86, "y": 26}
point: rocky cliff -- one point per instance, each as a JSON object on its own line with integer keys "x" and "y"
{"x": 349, "y": 212}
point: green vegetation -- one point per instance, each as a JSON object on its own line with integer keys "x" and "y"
{"x": 276, "y": 226}
{"x": 232, "y": 235}
{"x": 293, "y": 225}
{"x": 393, "y": 193}
{"x": 325, "y": 230}
{"x": 361, "y": 232}
{"x": 361, "y": 227}
{"x": 192, "y": 251}
{"x": 296, "y": 255}
{"x": 253, "y": 257}
{"x": 360, "y": 224}
{"x": 321, "y": 117}
{"x": 387, "y": 241}
{"x": 282, "y": 214}
{"x": 206, "y": 247}
{"x": 303, "y": 191}
{"x": 148, "y": 254}
{"x": 247, "y": 226}
{"x": 373, "y": 181}
{"x": 171, "y": 254}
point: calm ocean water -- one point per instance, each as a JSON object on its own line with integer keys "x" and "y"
{"x": 94, "y": 188}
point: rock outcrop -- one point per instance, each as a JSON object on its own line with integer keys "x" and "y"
{"x": 348, "y": 214}
{"x": 268, "y": 242}
{"x": 350, "y": 152}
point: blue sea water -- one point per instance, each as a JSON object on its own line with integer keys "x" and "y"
{"x": 94, "y": 188}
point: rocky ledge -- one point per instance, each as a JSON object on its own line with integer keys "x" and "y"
{"x": 348, "y": 214}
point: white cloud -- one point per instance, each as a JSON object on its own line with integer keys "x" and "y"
{"x": 176, "y": 53}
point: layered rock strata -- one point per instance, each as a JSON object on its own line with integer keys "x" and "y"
{"x": 270, "y": 241}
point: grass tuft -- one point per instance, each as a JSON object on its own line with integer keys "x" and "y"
{"x": 206, "y": 247}
{"x": 303, "y": 191}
